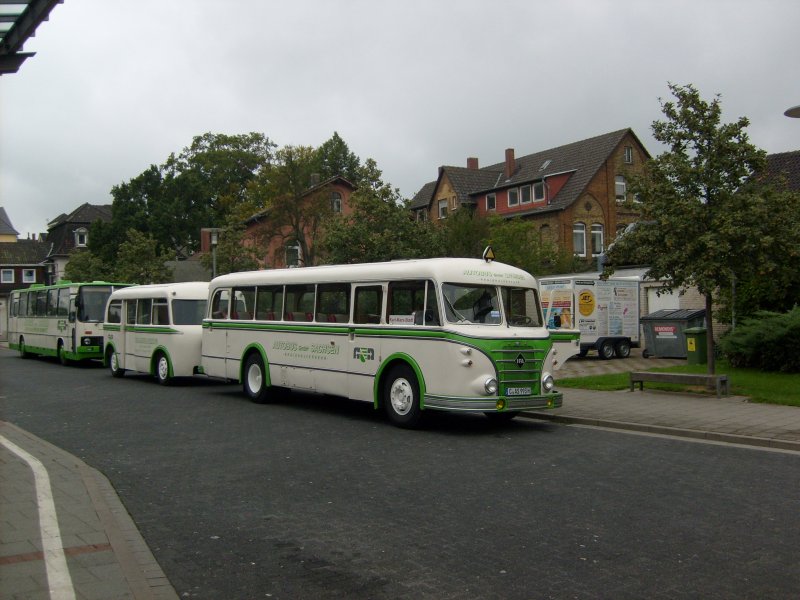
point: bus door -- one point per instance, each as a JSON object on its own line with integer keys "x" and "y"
{"x": 215, "y": 336}
{"x": 364, "y": 353}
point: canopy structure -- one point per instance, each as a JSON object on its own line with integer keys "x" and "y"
{"x": 18, "y": 21}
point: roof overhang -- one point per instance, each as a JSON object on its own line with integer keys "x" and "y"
{"x": 18, "y": 22}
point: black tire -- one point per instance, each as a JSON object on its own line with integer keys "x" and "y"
{"x": 502, "y": 417}
{"x": 162, "y": 369}
{"x": 401, "y": 396}
{"x": 606, "y": 350}
{"x": 623, "y": 349}
{"x": 22, "y": 352}
{"x": 113, "y": 363}
{"x": 62, "y": 358}
{"x": 254, "y": 379}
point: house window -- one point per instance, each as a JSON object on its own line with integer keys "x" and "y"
{"x": 336, "y": 202}
{"x": 579, "y": 239}
{"x": 28, "y": 275}
{"x": 491, "y": 201}
{"x": 597, "y": 239}
{"x": 525, "y": 194}
{"x": 7, "y": 276}
{"x": 293, "y": 257}
{"x": 81, "y": 237}
{"x": 621, "y": 188}
{"x": 538, "y": 191}
{"x": 453, "y": 203}
{"x": 629, "y": 155}
{"x": 513, "y": 197}
{"x": 442, "y": 209}
{"x": 422, "y": 215}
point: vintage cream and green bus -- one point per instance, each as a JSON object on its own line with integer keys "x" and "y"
{"x": 156, "y": 329}
{"x": 61, "y": 320}
{"x": 408, "y": 336}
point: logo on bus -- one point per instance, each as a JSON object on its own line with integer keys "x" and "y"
{"x": 364, "y": 354}
{"x": 62, "y": 325}
{"x": 520, "y": 360}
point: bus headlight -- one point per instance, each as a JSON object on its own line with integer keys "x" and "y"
{"x": 548, "y": 383}
{"x": 490, "y": 385}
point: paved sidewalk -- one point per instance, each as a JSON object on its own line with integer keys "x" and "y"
{"x": 732, "y": 419}
{"x": 63, "y": 531}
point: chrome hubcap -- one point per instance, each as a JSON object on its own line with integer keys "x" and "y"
{"x": 254, "y": 378}
{"x": 401, "y": 396}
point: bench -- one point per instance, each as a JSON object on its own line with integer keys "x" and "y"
{"x": 718, "y": 382}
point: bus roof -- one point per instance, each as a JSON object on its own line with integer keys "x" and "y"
{"x": 456, "y": 270}
{"x": 65, "y": 283}
{"x": 191, "y": 290}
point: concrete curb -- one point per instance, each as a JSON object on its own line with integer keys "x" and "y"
{"x": 696, "y": 434}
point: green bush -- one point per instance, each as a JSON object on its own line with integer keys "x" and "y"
{"x": 767, "y": 341}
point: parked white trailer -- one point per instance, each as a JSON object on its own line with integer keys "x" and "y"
{"x": 605, "y": 311}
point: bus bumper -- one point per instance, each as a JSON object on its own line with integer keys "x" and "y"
{"x": 494, "y": 403}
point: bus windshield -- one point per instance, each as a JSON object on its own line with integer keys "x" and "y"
{"x": 481, "y": 304}
{"x": 92, "y": 303}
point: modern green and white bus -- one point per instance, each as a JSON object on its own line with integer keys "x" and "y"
{"x": 408, "y": 336}
{"x": 156, "y": 329}
{"x": 60, "y": 320}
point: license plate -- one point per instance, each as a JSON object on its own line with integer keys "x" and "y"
{"x": 518, "y": 391}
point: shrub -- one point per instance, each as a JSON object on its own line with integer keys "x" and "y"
{"x": 766, "y": 341}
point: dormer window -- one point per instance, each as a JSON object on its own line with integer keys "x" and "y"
{"x": 81, "y": 237}
{"x": 629, "y": 155}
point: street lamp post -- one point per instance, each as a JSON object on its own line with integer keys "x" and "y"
{"x": 214, "y": 242}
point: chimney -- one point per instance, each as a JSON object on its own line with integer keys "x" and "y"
{"x": 472, "y": 163}
{"x": 511, "y": 165}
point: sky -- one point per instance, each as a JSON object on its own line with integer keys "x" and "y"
{"x": 119, "y": 85}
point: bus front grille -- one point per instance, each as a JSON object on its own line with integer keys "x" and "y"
{"x": 519, "y": 369}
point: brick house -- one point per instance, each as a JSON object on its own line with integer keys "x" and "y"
{"x": 281, "y": 249}
{"x": 575, "y": 195}
{"x": 21, "y": 264}
{"x": 66, "y": 233}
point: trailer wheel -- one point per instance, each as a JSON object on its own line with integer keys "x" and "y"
{"x": 606, "y": 350}
{"x": 623, "y": 349}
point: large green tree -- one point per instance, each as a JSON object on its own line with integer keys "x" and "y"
{"x": 138, "y": 260}
{"x": 696, "y": 203}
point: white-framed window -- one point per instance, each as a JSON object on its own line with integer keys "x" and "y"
{"x": 629, "y": 155}
{"x": 422, "y": 215}
{"x": 579, "y": 239}
{"x": 7, "y": 276}
{"x": 28, "y": 275}
{"x": 442, "y": 209}
{"x": 491, "y": 201}
{"x": 453, "y": 203}
{"x": 538, "y": 191}
{"x": 525, "y": 194}
{"x": 81, "y": 237}
{"x": 620, "y": 188}
{"x": 336, "y": 202}
{"x": 597, "y": 239}
{"x": 293, "y": 257}
{"x": 513, "y": 197}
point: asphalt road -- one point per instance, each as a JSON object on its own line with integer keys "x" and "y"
{"x": 315, "y": 497}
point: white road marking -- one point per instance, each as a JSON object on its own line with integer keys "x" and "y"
{"x": 58, "y": 577}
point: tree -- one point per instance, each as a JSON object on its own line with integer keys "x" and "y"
{"x": 693, "y": 200}
{"x": 138, "y": 260}
{"x": 518, "y": 242}
{"x": 335, "y": 158}
{"x": 84, "y": 265}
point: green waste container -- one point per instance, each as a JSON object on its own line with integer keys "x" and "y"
{"x": 696, "y": 345}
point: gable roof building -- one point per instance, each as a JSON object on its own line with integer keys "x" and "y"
{"x": 784, "y": 168}
{"x": 569, "y": 190}
{"x": 65, "y": 233}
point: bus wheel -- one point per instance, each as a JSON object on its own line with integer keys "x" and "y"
{"x": 22, "y": 352}
{"x": 162, "y": 369}
{"x": 253, "y": 382}
{"x": 401, "y": 396}
{"x": 113, "y": 363}
{"x": 62, "y": 357}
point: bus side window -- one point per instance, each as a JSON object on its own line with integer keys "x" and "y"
{"x": 244, "y": 301}
{"x": 160, "y": 312}
{"x": 269, "y": 303}
{"x": 143, "y": 312}
{"x": 63, "y": 302}
{"x": 52, "y": 302}
{"x": 432, "y": 307}
{"x": 219, "y": 305}
{"x": 368, "y": 304}
{"x": 114, "y": 312}
{"x": 130, "y": 312}
{"x": 333, "y": 303}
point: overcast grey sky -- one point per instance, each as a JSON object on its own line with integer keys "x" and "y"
{"x": 117, "y": 85}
